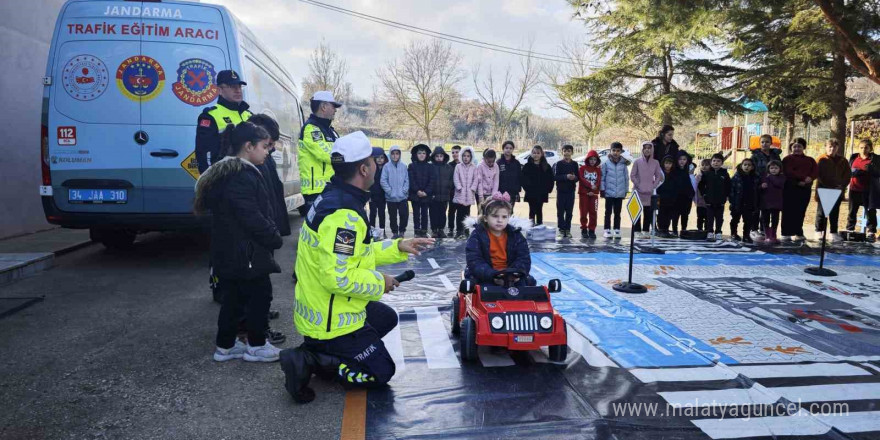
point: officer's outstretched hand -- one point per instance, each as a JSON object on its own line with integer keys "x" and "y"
{"x": 414, "y": 246}
{"x": 390, "y": 282}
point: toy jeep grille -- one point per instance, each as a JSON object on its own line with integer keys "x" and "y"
{"x": 521, "y": 322}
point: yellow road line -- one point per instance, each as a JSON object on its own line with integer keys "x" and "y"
{"x": 354, "y": 416}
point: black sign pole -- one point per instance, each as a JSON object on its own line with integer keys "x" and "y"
{"x": 629, "y": 286}
{"x": 821, "y": 271}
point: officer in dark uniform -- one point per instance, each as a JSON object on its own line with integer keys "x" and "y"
{"x": 230, "y": 110}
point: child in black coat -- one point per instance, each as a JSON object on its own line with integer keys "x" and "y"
{"x": 744, "y": 200}
{"x": 714, "y": 186}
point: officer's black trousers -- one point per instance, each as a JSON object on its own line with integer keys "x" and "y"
{"x": 249, "y": 298}
{"x": 363, "y": 351}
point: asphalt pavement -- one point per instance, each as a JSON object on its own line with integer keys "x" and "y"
{"x": 121, "y": 345}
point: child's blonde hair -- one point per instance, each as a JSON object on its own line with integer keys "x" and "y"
{"x": 490, "y": 206}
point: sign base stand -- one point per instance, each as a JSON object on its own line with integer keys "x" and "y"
{"x": 627, "y": 287}
{"x": 820, "y": 272}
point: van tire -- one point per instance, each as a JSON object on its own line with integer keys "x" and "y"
{"x": 116, "y": 239}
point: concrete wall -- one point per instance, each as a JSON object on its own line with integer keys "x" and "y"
{"x": 25, "y": 32}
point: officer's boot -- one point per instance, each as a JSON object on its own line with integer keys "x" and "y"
{"x": 298, "y": 365}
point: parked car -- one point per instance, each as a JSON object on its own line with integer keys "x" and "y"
{"x": 551, "y": 155}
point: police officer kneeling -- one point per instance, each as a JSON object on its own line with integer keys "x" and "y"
{"x": 337, "y": 307}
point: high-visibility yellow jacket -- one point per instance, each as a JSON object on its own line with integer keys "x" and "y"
{"x": 212, "y": 122}
{"x": 336, "y": 264}
{"x": 315, "y": 144}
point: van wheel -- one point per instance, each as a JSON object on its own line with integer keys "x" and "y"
{"x": 468, "y": 339}
{"x": 456, "y": 324}
{"x": 118, "y": 239}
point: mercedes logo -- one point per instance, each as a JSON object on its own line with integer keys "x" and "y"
{"x": 141, "y": 137}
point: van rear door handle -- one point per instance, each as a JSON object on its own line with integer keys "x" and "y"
{"x": 164, "y": 153}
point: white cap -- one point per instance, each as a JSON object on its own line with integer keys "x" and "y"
{"x": 325, "y": 96}
{"x": 352, "y": 148}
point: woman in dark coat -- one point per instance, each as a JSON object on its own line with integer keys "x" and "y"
{"x": 537, "y": 181}
{"x": 664, "y": 144}
{"x": 243, "y": 239}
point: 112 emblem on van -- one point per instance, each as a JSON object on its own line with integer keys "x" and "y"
{"x": 195, "y": 82}
{"x": 140, "y": 78}
{"x": 85, "y": 77}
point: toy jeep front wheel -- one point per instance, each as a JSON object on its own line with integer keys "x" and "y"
{"x": 558, "y": 353}
{"x": 468, "y": 339}
{"x": 455, "y": 317}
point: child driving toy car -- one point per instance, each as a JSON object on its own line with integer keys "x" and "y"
{"x": 497, "y": 243}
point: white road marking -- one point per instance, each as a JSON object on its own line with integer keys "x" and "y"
{"x": 800, "y": 424}
{"x": 852, "y": 422}
{"x": 590, "y": 353}
{"x": 831, "y": 393}
{"x": 650, "y": 342}
{"x": 446, "y": 283}
{"x": 433, "y": 263}
{"x": 715, "y": 372}
{"x": 754, "y": 395}
{"x": 599, "y": 309}
{"x": 798, "y": 370}
{"x": 435, "y": 341}
{"x": 490, "y": 359}
{"x": 394, "y": 345}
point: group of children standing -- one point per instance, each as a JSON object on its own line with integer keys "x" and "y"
{"x": 762, "y": 190}
{"x": 440, "y": 191}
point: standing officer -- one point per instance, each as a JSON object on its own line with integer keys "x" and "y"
{"x": 337, "y": 308}
{"x": 315, "y": 142}
{"x": 230, "y": 109}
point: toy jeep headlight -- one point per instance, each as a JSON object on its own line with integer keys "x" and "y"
{"x": 546, "y": 322}
{"x": 497, "y": 323}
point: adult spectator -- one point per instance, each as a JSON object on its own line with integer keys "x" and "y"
{"x": 664, "y": 144}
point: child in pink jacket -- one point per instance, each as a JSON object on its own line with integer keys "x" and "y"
{"x": 646, "y": 176}
{"x": 465, "y": 180}
{"x": 486, "y": 176}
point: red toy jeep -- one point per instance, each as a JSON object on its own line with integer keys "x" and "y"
{"x": 519, "y": 318}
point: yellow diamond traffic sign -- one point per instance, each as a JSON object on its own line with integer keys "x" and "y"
{"x": 634, "y": 207}
{"x": 191, "y": 165}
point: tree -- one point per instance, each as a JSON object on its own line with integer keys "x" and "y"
{"x": 856, "y": 25}
{"x": 505, "y": 95}
{"x": 585, "y": 104}
{"x": 796, "y": 65}
{"x": 659, "y": 57}
{"x": 327, "y": 71}
{"x": 421, "y": 83}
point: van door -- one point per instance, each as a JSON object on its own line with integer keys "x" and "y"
{"x": 192, "y": 52}
{"x": 94, "y": 156}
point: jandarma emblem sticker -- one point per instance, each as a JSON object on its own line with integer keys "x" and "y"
{"x": 140, "y": 78}
{"x": 195, "y": 83}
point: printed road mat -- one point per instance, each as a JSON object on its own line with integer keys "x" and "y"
{"x": 728, "y": 342}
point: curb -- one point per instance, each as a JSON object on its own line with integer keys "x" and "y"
{"x": 37, "y": 262}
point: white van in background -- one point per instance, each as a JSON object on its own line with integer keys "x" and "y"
{"x": 124, "y": 85}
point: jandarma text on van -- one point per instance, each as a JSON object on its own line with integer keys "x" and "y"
{"x": 138, "y": 11}
{"x": 105, "y": 28}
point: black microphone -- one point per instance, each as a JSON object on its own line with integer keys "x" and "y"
{"x": 406, "y": 276}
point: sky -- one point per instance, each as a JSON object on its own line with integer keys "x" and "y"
{"x": 292, "y": 29}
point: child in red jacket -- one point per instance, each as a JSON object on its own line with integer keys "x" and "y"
{"x": 590, "y": 176}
